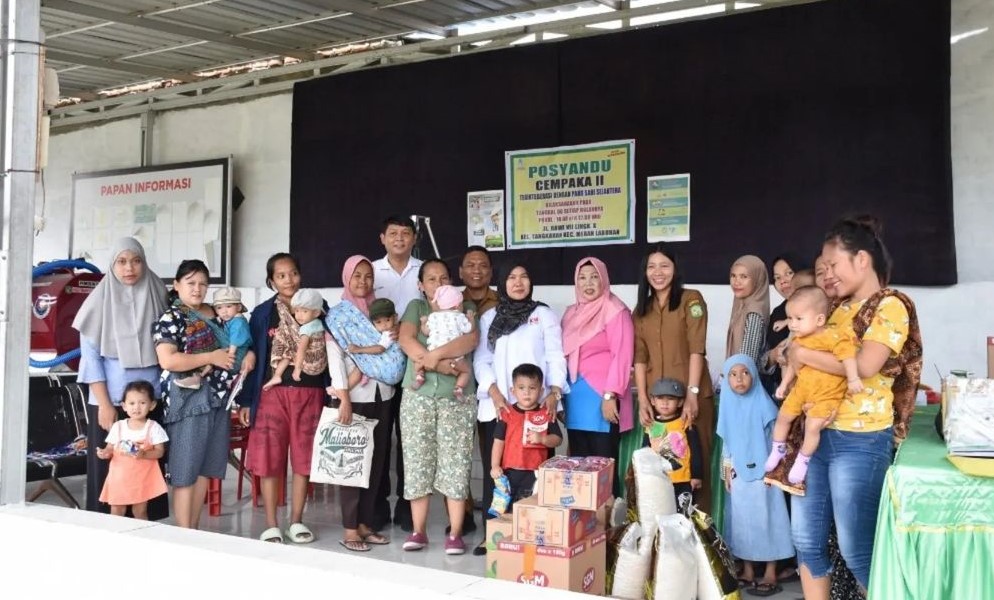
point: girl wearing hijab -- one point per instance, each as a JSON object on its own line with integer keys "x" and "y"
{"x": 115, "y": 335}
{"x": 368, "y": 397}
{"x": 519, "y": 330}
{"x": 599, "y": 344}
{"x": 757, "y": 528}
{"x": 750, "y": 309}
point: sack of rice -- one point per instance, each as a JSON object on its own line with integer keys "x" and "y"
{"x": 629, "y": 563}
{"x": 653, "y": 488}
{"x": 675, "y": 574}
{"x": 715, "y": 565}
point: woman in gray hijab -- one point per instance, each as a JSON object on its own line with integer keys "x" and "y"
{"x": 115, "y": 336}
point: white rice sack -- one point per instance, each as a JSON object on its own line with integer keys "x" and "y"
{"x": 655, "y": 490}
{"x": 618, "y": 513}
{"x": 634, "y": 564}
{"x": 676, "y": 559}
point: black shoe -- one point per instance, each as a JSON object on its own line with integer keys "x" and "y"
{"x": 406, "y": 525}
{"x": 468, "y": 525}
{"x": 480, "y": 550}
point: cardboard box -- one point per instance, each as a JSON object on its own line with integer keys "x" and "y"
{"x": 588, "y": 487}
{"x": 990, "y": 357}
{"x": 499, "y": 529}
{"x": 551, "y": 526}
{"x": 578, "y": 568}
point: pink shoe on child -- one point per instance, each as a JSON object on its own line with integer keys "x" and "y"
{"x": 419, "y": 380}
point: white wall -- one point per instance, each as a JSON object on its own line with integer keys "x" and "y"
{"x": 257, "y": 133}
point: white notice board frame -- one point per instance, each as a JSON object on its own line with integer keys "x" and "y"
{"x": 177, "y": 211}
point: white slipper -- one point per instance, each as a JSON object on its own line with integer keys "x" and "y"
{"x": 298, "y": 533}
{"x": 272, "y": 535}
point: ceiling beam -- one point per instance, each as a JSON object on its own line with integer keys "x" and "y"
{"x": 389, "y": 16}
{"x": 197, "y": 33}
{"x": 117, "y": 65}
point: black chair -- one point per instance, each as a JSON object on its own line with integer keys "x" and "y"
{"x": 56, "y": 435}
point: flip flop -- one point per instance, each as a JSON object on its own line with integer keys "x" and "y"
{"x": 764, "y": 589}
{"x": 354, "y": 545}
{"x": 272, "y": 535}
{"x": 298, "y": 533}
{"x": 745, "y": 583}
{"x": 376, "y": 539}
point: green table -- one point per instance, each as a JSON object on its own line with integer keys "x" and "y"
{"x": 935, "y": 526}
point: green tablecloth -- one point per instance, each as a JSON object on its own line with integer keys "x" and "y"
{"x": 935, "y": 525}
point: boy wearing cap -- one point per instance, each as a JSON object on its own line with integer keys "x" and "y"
{"x": 307, "y": 353}
{"x": 229, "y": 308}
{"x": 383, "y": 314}
{"x": 668, "y": 436}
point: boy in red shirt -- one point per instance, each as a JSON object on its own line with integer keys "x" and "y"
{"x": 524, "y": 434}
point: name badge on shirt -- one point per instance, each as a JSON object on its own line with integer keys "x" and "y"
{"x": 533, "y": 320}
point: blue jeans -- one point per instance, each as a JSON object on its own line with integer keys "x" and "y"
{"x": 845, "y": 478}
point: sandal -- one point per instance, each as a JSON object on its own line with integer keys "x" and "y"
{"x": 272, "y": 535}
{"x": 354, "y": 545}
{"x": 299, "y": 534}
{"x": 745, "y": 583}
{"x": 376, "y": 539}
{"x": 764, "y": 589}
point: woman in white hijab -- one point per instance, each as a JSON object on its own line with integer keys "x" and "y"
{"x": 115, "y": 336}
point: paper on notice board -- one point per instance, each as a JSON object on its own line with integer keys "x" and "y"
{"x": 669, "y": 208}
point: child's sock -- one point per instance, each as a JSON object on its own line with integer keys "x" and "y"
{"x": 776, "y": 455}
{"x": 799, "y": 470}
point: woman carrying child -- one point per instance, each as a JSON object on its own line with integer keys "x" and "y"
{"x": 756, "y": 526}
{"x": 134, "y": 447}
{"x": 436, "y": 425}
{"x": 364, "y": 396}
{"x": 285, "y": 417}
{"x": 186, "y": 340}
{"x": 845, "y": 475}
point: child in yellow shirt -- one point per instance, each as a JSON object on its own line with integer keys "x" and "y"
{"x": 807, "y": 314}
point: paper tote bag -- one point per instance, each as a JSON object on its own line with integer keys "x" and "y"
{"x": 343, "y": 454}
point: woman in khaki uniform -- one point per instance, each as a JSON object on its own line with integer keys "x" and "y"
{"x": 670, "y": 336}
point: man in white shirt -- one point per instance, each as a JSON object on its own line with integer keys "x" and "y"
{"x": 395, "y": 276}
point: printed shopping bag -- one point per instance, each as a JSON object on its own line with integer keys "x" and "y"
{"x": 343, "y": 454}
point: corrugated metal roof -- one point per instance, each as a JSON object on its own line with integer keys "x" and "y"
{"x": 102, "y": 49}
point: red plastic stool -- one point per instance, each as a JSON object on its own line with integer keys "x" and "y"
{"x": 239, "y": 437}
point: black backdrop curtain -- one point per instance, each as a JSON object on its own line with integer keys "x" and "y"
{"x": 786, "y": 119}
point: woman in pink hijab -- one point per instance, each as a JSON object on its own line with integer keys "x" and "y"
{"x": 599, "y": 343}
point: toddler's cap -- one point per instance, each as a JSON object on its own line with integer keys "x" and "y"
{"x": 229, "y": 295}
{"x": 668, "y": 386}
{"x": 381, "y": 307}
{"x": 309, "y": 299}
{"x": 448, "y": 297}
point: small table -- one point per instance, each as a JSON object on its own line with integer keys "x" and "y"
{"x": 935, "y": 525}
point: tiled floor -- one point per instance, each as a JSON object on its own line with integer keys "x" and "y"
{"x": 324, "y": 518}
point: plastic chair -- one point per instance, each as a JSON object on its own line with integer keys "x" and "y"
{"x": 238, "y": 441}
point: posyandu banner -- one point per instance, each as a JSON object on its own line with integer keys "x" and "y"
{"x": 571, "y": 195}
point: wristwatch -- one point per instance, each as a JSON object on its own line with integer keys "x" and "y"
{"x": 693, "y": 389}
{"x": 610, "y": 396}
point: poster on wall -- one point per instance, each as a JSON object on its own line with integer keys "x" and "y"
{"x": 669, "y": 208}
{"x": 571, "y": 195}
{"x": 485, "y": 219}
{"x": 176, "y": 211}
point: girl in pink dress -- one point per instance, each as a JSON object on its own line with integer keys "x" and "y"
{"x": 134, "y": 446}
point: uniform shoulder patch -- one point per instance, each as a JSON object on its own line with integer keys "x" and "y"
{"x": 696, "y": 310}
